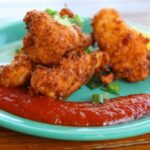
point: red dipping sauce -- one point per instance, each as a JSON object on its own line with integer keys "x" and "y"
{"x": 48, "y": 110}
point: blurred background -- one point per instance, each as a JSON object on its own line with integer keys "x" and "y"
{"x": 133, "y": 10}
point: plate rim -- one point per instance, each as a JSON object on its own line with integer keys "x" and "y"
{"x": 30, "y": 127}
{"x": 16, "y": 123}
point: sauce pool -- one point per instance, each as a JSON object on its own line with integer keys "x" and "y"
{"x": 39, "y": 108}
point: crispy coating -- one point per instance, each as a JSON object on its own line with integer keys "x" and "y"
{"x": 17, "y": 73}
{"x": 47, "y": 40}
{"x": 126, "y": 47}
{"x": 66, "y": 11}
{"x": 71, "y": 74}
{"x": 106, "y": 79}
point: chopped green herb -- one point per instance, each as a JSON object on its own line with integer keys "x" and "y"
{"x": 112, "y": 88}
{"x": 90, "y": 49}
{"x": 17, "y": 50}
{"x": 105, "y": 96}
{"x": 95, "y": 98}
{"x": 78, "y": 20}
{"x": 65, "y": 20}
{"x": 51, "y": 12}
{"x": 100, "y": 98}
{"x": 61, "y": 19}
{"x": 65, "y": 16}
{"x": 93, "y": 83}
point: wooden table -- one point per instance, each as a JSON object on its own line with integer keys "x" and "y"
{"x": 15, "y": 141}
{"x": 10, "y": 140}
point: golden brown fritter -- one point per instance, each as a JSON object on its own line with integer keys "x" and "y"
{"x": 17, "y": 73}
{"x": 126, "y": 47}
{"x": 48, "y": 40}
{"x": 71, "y": 74}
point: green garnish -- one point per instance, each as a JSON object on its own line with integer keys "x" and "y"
{"x": 95, "y": 98}
{"x": 90, "y": 49}
{"x": 112, "y": 88}
{"x": 17, "y": 50}
{"x": 61, "y": 19}
{"x": 78, "y": 20}
{"x": 93, "y": 83}
{"x": 51, "y": 12}
{"x": 65, "y": 16}
{"x": 106, "y": 96}
{"x": 100, "y": 98}
{"x": 65, "y": 20}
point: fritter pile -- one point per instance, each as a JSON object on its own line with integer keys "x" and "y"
{"x": 126, "y": 47}
{"x": 53, "y": 60}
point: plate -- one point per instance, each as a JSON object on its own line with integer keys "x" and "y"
{"x": 11, "y": 35}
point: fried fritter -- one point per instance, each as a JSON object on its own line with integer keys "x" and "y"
{"x": 17, "y": 73}
{"x": 47, "y": 40}
{"x": 71, "y": 74}
{"x": 125, "y": 46}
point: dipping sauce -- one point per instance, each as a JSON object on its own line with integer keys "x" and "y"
{"x": 39, "y": 108}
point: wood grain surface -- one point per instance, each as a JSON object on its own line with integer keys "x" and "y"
{"x": 16, "y": 141}
{"x": 10, "y": 140}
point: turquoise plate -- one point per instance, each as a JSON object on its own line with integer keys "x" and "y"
{"x": 10, "y": 39}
